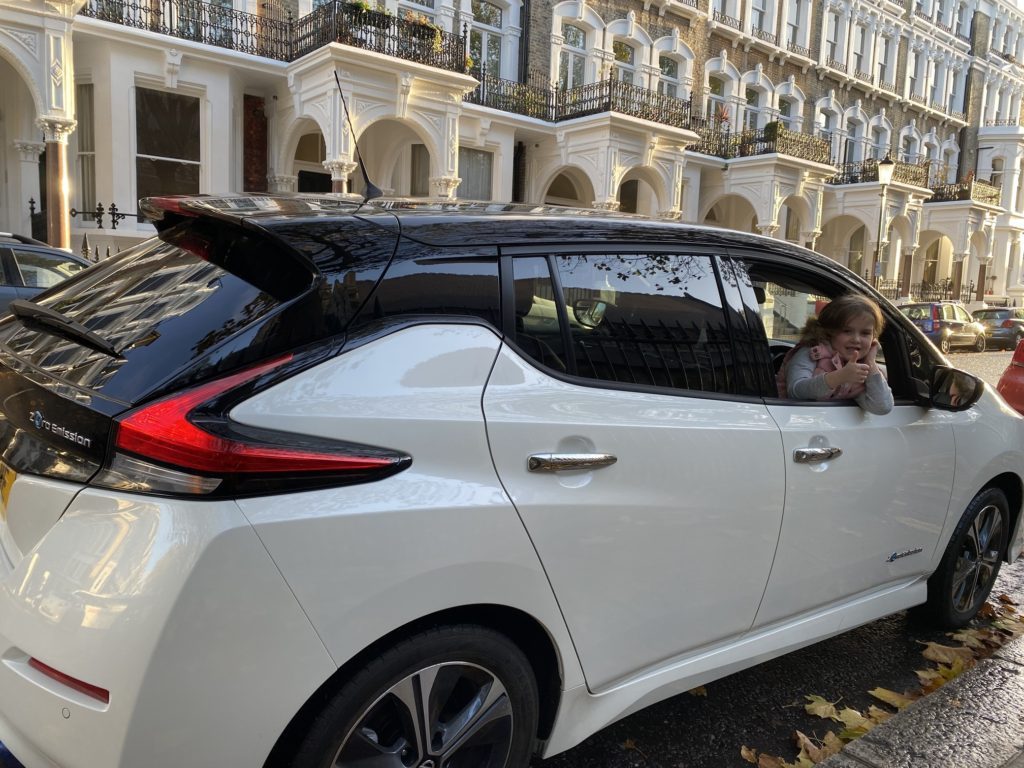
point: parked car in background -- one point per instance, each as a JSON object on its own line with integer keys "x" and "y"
{"x": 305, "y": 483}
{"x": 947, "y": 324}
{"x": 1011, "y": 383}
{"x": 1004, "y": 326}
{"x": 29, "y": 266}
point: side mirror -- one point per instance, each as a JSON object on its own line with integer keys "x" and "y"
{"x": 954, "y": 390}
{"x": 589, "y": 312}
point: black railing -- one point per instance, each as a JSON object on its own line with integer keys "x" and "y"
{"x": 864, "y": 171}
{"x": 554, "y": 105}
{"x": 1008, "y": 121}
{"x": 99, "y": 212}
{"x": 943, "y": 290}
{"x": 764, "y": 34}
{"x": 351, "y": 23}
{"x": 976, "y": 190}
{"x": 716, "y": 140}
{"x": 799, "y": 50}
{"x": 836, "y": 65}
{"x": 728, "y": 21}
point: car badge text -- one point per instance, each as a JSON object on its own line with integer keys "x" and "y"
{"x": 40, "y": 422}
{"x": 905, "y": 553}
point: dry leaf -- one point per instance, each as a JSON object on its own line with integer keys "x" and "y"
{"x": 629, "y": 744}
{"x": 878, "y": 715}
{"x": 898, "y": 700}
{"x": 851, "y": 718}
{"x": 770, "y": 761}
{"x": 748, "y": 754}
{"x": 946, "y": 654}
{"x": 700, "y": 690}
{"x": 1006, "y": 600}
{"x": 819, "y": 707}
{"x": 808, "y": 748}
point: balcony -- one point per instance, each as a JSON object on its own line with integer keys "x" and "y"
{"x": 976, "y": 190}
{"x": 717, "y": 141}
{"x": 866, "y": 171}
{"x": 764, "y": 34}
{"x": 349, "y": 23}
{"x": 835, "y": 64}
{"x": 728, "y": 21}
{"x": 554, "y": 105}
{"x": 799, "y": 50}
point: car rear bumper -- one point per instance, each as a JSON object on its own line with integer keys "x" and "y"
{"x": 8, "y": 760}
{"x": 173, "y": 607}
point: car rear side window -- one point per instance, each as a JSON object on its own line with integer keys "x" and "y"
{"x": 647, "y": 319}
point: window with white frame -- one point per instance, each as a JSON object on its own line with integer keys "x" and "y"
{"x": 668, "y": 82}
{"x": 794, "y": 22}
{"x": 475, "y": 170}
{"x": 759, "y": 15}
{"x": 85, "y": 133}
{"x": 573, "y": 56}
{"x": 485, "y": 37}
{"x": 949, "y": 162}
{"x": 908, "y": 149}
{"x": 854, "y": 145}
{"x": 624, "y": 68}
{"x": 961, "y": 17}
{"x": 717, "y": 107}
{"x": 913, "y": 67}
{"x": 879, "y": 142}
{"x": 752, "y": 112}
{"x": 832, "y": 36}
{"x": 860, "y": 48}
{"x": 883, "y": 60}
{"x": 996, "y": 177}
{"x": 787, "y": 113}
{"x": 825, "y": 123}
{"x": 167, "y": 154}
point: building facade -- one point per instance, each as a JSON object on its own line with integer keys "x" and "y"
{"x": 760, "y": 115}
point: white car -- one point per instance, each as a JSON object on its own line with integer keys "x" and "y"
{"x": 306, "y": 483}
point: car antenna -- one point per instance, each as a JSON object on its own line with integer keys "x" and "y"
{"x": 372, "y": 190}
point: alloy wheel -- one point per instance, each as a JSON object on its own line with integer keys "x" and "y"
{"x": 451, "y": 715}
{"x": 978, "y": 561}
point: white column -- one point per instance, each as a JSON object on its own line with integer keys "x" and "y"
{"x": 28, "y": 184}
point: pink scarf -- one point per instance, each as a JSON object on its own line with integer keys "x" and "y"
{"x": 826, "y": 361}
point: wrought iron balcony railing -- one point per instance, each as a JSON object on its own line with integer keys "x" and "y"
{"x": 774, "y": 138}
{"x": 976, "y": 190}
{"x": 838, "y": 66}
{"x": 764, "y": 34}
{"x": 350, "y": 23}
{"x": 729, "y": 21}
{"x": 864, "y": 171}
{"x": 799, "y": 50}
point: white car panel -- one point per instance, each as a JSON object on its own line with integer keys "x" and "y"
{"x": 151, "y": 599}
{"x": 29, "y": 506}
{"x": 439, "y": 535}
{"x": 641, "y": 553}
{"x": 886, "y": 494}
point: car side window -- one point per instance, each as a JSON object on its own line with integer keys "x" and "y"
{"x": 647, "y": 319}
{"x": 538, "y": 330}
{"x": 961, "y": 315}
{"x": 42, "y": 270}
{"x": 948, "y": 312}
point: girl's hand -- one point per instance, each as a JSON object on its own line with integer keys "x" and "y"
{"x": 872, "y": 351}
{"x": 851, "y": 373}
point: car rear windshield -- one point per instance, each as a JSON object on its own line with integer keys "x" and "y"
{"x": 992, "y": 314}
{"x": 203, "y": 296}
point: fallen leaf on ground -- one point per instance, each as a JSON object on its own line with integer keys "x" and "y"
{"x": 819, "y": 707}
{"x": 898, "y": 700}
{"x": 700, "y": 690}
{"x": 947, "y": 654}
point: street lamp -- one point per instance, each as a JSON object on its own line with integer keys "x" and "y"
{"x": 886, "y": 167}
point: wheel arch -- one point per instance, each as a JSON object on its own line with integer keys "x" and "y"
{"x": 520, "y": 627}
{"x": 1010, "y": 485}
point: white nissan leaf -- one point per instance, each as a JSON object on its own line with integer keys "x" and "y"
{"x": 307, "y": 483}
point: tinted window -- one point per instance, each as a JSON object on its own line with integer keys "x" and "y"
{"x": 42, "y": 270}
{"x": 647, "y": 319}
{"x": 203, "y": 298}
{"x": 423, "y": 280}
{"x": 538, "y": 330}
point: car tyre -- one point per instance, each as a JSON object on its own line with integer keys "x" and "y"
{"x": 944, "y": 345}
{"x": 476, "y": 691}
{"x": 979, "y": 343}
{"x": 970, "y": 564}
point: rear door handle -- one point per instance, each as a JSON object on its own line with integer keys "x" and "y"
{"x": 564, "y": 462}
{"x": 814, "y": 455}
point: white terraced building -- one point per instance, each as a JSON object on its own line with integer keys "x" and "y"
{"x": 761, "y": 115}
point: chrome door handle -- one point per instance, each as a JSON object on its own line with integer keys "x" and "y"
{"x": 813, "y": 455}
{"x": 563, "y": 462}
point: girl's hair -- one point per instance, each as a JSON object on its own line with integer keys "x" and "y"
{"x": 837, "y": 313}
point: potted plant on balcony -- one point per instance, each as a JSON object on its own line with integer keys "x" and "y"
{"x": 423, "y": 28}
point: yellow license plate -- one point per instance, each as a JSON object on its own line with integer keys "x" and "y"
{"x": 7, "y": 478}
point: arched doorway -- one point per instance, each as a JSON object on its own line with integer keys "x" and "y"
{"x": 570, "y": 186}
{"x": 732, "y": 212}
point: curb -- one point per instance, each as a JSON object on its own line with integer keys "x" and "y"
{"x": 974, "y": 721}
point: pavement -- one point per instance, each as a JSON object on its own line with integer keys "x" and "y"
{"x": 974, "y": 721}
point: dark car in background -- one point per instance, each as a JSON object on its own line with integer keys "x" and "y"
{"x": 29, "y": 266}
{"x": 947, "y": 324}
{"x": 1004, "y": 326}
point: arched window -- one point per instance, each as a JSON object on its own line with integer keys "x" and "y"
{"x": 668, "y": 82}
{"x": 853, "y": 149}
{"x": 908, "y": 149}
{"x": 573, "y": 57}
{"x": 752, "y": 112}
{"x": 624, "y": 69}
{"x": 717, "y": 106}
{"x": 879, "y": 142}
{"x": 486, "y": 37}
{"x": 787, "y": 113}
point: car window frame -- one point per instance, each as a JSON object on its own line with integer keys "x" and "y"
{"x": 551, "y": 250}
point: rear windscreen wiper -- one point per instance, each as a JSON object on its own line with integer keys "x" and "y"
{"x": 60, "y": 325}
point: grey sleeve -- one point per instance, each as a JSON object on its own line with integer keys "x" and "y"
{"x": 877, "y": 397}
{"x": 801, "y": 383}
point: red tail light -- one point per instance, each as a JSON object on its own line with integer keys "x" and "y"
{"x": 1007, "y": 323}
{"x": 185, "y": 444}
{"x": 935, "y": 312}
{"x": 1018, "y": 354}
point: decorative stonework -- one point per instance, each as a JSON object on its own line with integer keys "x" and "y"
{"x": 30, "y": 150}
{"x": 445, "y": 186}
{"x": 56, "y": 129}
{"x": 282, "y": 183}
{"x": 605, "y": 205}
{"x": 172, "y": 66}
{"x": 28, "y": 40}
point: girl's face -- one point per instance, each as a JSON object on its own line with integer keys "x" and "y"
{"x": 853, "y": 340}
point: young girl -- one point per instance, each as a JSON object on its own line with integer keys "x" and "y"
{"x": 835, "y": 359}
